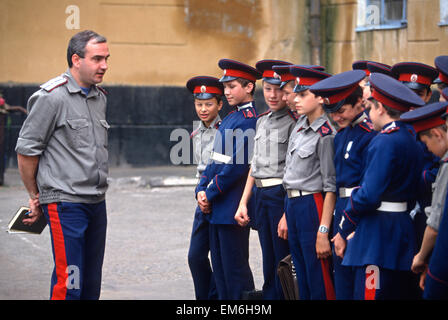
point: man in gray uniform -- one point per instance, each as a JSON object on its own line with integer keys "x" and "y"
{"x": 63, "y": 161}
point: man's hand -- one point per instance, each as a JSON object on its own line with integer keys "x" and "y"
{"x": 241, "y": 215}
{"x": 282, "y": 229}
{"x": 203, "y": 203}
{"x": 35, "y": 211}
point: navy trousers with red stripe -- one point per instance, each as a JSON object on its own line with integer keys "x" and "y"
{"x": 314, "y": 275}
{"x": 78, "y": 237}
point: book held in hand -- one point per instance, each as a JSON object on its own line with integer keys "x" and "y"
{"x": 16, "y": 224}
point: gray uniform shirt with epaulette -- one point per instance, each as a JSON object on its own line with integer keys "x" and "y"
{"x": 68, "y": 131}
{"x": 435, "y": 211}
{"x": 203, "y": 138}
{"x": 309, "y": 159}
{"x": 271, "y": 143}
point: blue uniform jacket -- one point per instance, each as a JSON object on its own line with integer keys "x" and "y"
{"x": 350, "y": 155}
{"x": 225, "y": 176}
{"x": 393, "y": 167}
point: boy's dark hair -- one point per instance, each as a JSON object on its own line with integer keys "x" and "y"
{"x": 427, "y": 132}
{"x": 352, "y": 99}
{"x": 245, "y": 82}
{"x": 393, "y": 113}
{"x": 77, "y": 44}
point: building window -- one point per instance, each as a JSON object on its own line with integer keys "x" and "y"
{"x": 443, "y": 13}
{"x": 381, "y": 14}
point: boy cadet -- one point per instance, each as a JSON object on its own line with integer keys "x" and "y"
{"x": 222, "y": 183}
{"x": 436, "y": 283}
{"x": 431, "y": 129}
{"x": 207, "y": 92}
{"x": 383, "y": 245}
{"x": 342, "y": 96}
{"x": 310, "y": 184}
{"x": 419, "y": 77}
{"x": 266, "y": 173}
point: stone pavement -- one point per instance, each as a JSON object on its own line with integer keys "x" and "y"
{"x": 150, "y": 214}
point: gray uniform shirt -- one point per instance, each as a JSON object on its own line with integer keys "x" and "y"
{"x": 203, "y": 139}
{"x": 439, "y": 195}
{"x": 68, "y": 131}
{"x": 309, "y": 159}
{"x": 271, "y": 143}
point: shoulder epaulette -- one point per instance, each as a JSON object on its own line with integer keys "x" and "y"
{"x": 366, "y": 125}
{"x": 264, "y": 113}
{"x": 248, "y": 113}
{"x": 393, "y": 129}
{"x": 54, "y": 83}
{"x": 102, "y": 90}
{"x": 194, "y": 133}
{"x": 325, "y": 129}
{"x": 293, "y": 115}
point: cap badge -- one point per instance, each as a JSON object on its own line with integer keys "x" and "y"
{"x": 414, "y": 77}
{"x": 225, "y": 71}
{"x": 203, "y": 89}
{"x": 276, "y": 75}
{"x": 298, "y": 80}
{"x": 326, "y": 100}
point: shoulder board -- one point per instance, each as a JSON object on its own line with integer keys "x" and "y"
{"x": 264, "y": 113}
{"x": 366, "y": 125}
{"x": 293, "y": 115}
{"x": 54, "y": 83}
{"x": 325, "y": 129}
{"x": 102, "y": 90}
{"x": 390, "y": 130}
{"x": 217, "y": 124}
{"x": 194, "y": 133}
{"x": 249, "y": 113}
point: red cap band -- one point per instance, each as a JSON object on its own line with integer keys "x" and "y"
{"x": 287, "y": 77}
{"x": 340, "y": 96}
{"x": 207, "y": 89}
{"x": 427, "y": 124}
{"x": 268, "y": 74}
{"x": 239, "y": 74}
{"x": 412, "y": 77}
{"x": 388, "y": 102}
{"x": 443, "y": 78}
{"x": 307, "y": 81}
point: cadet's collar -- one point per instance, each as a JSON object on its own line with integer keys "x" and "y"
{"x": 389, "y": 126}
{"x": 318, "y": 122}
{"x": 244, "y": 105}
{"x": 279, "y": 113}
{"x": 359, "y": 118}
{"x": 73, "y": 86}
{"x": 445, "y": 157}
{"x": 212, "y": 125}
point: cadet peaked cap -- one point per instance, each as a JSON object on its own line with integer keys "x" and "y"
{"x": 336, "y": 88}
{"x": 444, "y": 93}
{"x": 441, "y": 63}
{"x": 268, "y": 73}
{"x": 205, "y": 87}
{"x": 427, "y": 117}
{"x": 306, "y": 76}
{"x": 415, "y": 75}
{"x": 361, "y": 65}
{"x": 286, "y": 75}
{"x": 393, "y": 93}
{"x": 234, "y": 69}
{"x": 378, "y": 67}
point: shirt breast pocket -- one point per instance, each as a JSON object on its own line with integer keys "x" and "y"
{"x": 104, "y": 133}
{"x": 78, "y": 133}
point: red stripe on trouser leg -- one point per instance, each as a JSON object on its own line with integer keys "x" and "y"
{"x": 60, "y": 259}
{"x": 326, "y": 273}
{"x": 369, "y": 293}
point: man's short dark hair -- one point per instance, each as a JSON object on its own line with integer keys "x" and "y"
{"x": 78, "y": 42}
